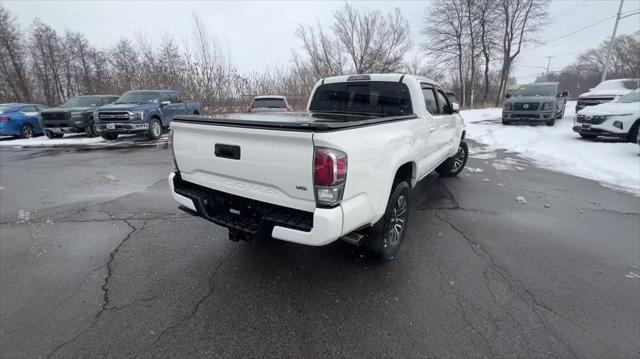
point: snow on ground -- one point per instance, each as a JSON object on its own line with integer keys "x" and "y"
{"x": 610, "y": 162}
{"x": 72, "y": 140}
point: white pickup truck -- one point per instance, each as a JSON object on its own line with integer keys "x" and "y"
{"x": 343, "y": 169}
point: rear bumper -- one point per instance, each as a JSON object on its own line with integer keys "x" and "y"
{"x": 319, "y": 228}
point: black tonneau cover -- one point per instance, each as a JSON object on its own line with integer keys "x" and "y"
{"x": 293, "y": 121}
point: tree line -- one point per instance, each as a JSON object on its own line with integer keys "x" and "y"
{"x": 470, "y": 46}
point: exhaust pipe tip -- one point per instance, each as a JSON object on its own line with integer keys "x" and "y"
{"x": 353, "y": 238}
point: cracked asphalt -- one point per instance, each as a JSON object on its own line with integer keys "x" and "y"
{"x": 96, "y": 261}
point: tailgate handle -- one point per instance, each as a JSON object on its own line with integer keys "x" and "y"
{"x": 227, "y": 151}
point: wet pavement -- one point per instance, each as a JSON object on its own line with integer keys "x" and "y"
{"x": 506, "y": 260}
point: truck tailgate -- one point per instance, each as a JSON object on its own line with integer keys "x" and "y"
{"x": 273, "y": 166}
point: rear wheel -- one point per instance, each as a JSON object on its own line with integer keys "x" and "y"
{"x": 385, "y": 237}
{"x": 586, "y": 135}
{"x": 109, "y": 136}
{"x": 26, "y": 131}
{"x": 452, "y": 166}
{"x": 155, "y": 129}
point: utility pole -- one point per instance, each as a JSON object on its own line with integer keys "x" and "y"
{"x": 546, "y": 74}
{"x": 613, "y": 37}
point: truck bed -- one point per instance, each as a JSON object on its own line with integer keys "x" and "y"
{"x": 296, "y": 121}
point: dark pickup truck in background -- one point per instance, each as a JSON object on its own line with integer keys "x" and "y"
{"x": 142, "y": 111}
{"x": 74, "y": 116}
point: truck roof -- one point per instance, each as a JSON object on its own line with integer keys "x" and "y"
{"x": 396, "y": 77}
{"x": 543, "y": 83}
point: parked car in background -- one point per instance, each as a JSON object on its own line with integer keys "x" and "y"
{"x": 541, "y": 102}
{"x": 342, "y": 170}
{"x": 74, "y": 116}
{"x": 618, "y": 118}
{"x": 143, "y": 111}
{"x": 606, "y": 91}
{"x": 20, "y": 119}
{"x": 270, "y": 104}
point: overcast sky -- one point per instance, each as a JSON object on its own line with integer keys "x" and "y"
{"x": 261, "y": 33}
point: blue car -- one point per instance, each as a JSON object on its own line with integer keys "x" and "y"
{"x": 20, "y": 119}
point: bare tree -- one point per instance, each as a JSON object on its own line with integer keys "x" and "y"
{"x": 445, "y": 28}
{"x": 521, "y": 20}
{"x": 373, "y": 42}
{"x": 486, "y": 14}
{"x": 13, "y": 68}
{"x": 47, "y": 55}
{"x": 124, "y": 65}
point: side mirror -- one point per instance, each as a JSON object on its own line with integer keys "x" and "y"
{"x": 165, "y": 103}
{"x": 565, "y": 93}
{"x": 455, "y": 107}
{"x": 507, "y": 95}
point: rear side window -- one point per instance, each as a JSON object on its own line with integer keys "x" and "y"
{"x": 268, "y": 103}
{"x": 374, "y": 97}
{"x": 430, "y": 100}
{"x": 443, "y": 103}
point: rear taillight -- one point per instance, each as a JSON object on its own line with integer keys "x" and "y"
{"x": 173, "y": 152}
{"x": 329, "y": 175}
{"x": 4, "y": 119}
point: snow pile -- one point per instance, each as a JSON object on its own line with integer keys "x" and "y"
{"x": 70, "y": 140}
{"x": 610, "y": 162}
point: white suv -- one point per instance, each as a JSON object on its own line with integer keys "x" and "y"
{"x": 619, "y": 118}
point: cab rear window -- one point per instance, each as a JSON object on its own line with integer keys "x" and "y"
{"x": 370, "y": 97}
{"x": 268, "y": 103}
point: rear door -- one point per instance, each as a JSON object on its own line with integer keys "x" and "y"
{"x": 436, "y": 125}
{"x": 445, "y": 109}
{"x": 271, "y": 166}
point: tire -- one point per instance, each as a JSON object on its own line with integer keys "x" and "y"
{"x": 52, "y": 135}
{"x": 91, "y": 130}
{"x": 155, "y": 129}
{"x": 632, "y": 136}
{"x": 26, "y": 131}
{"x": 196, "y": 113}
{"x": 453, "y": 165}
{"x": 551, "y": 122}
{"x": 384, "y": 237}
{"x": 506, "y": 122}
{"x": 109, "y": 136}
{"x": 584, "y": 135}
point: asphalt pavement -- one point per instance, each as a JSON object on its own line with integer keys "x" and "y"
{"x": 506, "y": 260}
